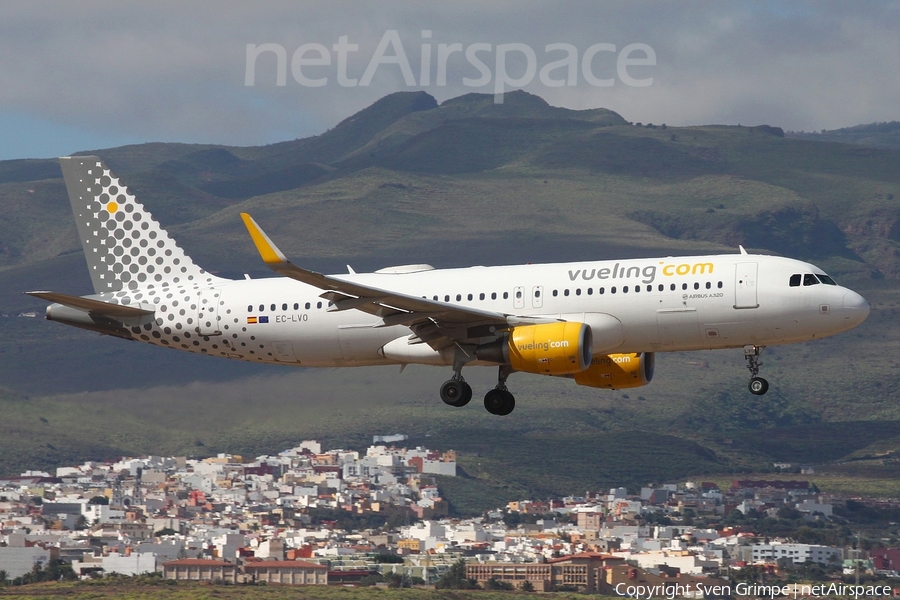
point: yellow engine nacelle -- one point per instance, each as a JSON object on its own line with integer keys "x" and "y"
{"x": 551, "y": 349}
{"x": 618, "y": 371}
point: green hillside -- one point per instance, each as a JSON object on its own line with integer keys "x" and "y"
{"x": 461, "y": 183}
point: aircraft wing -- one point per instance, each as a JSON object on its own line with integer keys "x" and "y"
{"x": 436, "y": 323}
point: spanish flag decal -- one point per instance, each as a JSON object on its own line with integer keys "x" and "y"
{"x": 251, "y": 319}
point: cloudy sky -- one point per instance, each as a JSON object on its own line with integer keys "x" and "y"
{"x": 92, "y": 74}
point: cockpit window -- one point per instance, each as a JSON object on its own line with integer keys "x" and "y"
{"x": 826, "y": 280}
{"x": 810, "y": 279}
{"x": 795, "y": 280}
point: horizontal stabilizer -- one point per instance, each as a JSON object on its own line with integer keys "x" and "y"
{"x": 107, "y": 309}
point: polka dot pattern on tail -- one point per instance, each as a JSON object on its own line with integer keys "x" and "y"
{"x": 125, "y": 247}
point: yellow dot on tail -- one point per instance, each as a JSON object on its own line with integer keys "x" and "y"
{"x": 112, "y": 207}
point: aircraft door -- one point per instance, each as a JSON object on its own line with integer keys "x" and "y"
{"x": 537, "y": 296}
{"x": 745, "y": 279}
{"x": 208, "y": 311}
{"x": 519, "y": 297}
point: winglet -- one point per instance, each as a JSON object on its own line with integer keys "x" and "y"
{"x": 266, "y": 248}
{"x": 742, "y": 249}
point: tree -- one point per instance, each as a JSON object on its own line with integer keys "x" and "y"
{"x": 527, "y": 587}
{"x": 455, "y": 578}
{"x": 103, "y": 500}
{"x": 495, "y": 583}
{"x": 370, "y": 580}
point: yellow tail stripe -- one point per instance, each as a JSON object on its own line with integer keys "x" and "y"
{"x": 267, "y": 250}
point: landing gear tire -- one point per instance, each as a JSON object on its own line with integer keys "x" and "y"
{"x": 499, "y": 402}
{"x": 758, "y": 386}
{"x": 456, "y": 393}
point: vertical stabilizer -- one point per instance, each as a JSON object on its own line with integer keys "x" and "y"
{"x": 124, "y": 246}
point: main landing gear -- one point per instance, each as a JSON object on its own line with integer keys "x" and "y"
{"x": 455, "y": 391}
{"x": 498, "y": 401}
{"x": 758, "y": 386}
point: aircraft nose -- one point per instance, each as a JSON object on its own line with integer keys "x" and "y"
{"x": 856, "y": 309}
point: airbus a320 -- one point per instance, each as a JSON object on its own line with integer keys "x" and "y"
{"x": 597, "y": 322}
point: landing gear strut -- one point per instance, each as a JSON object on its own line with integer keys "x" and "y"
{"x": 758, "y": 386}
{"x": 455, "y": 391}
{"x": 499, "y": 401}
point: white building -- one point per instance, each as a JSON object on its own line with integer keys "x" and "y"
{"x": 797, "y": 553}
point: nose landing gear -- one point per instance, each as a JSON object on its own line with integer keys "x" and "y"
{"x": 758, "y": 386}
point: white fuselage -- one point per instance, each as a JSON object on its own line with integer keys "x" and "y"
{"x": 663, "y": 304}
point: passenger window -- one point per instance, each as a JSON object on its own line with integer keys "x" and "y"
{"x": 469, "y": 297}
{"x": 697, "y": 285}
{"x": 555, "y": 293}
{"x": 262, "y": 307}
{"x": 601, "y": 291}
{"x": 624, "y": 289}
{"x": 481, "y": 296}
{"x": 590, "y": 291}
{"x": 649, "y": 288}
{"x": 459, "y": 297}
{"x": 637, "y": 288}
{"x": 612, "y": 290}
{"x": 708, "y": 285}
{"x": 684, "y": 286}
{"x": 435, "y": 298}
{"x": 810, "y": 279}
{"x": 518, "y": 293}
{"x": 296, "y": 306}
{"x": 661, "y": 287}
{"x": 578, "y": 292}
{"x": 306, "y": 306}
{"x": 720, "y": 285}
{"x": 537, "y": 293}
{"x": 672, "y": 287}
{"x": 273, "y": 307}
{"x": 447, "y": 298}
{"x": 565, "y": 292}
{"x": 795, "y": 280}
{"x": 493, "y": 295}
{"x": 250, "y": 308}
{"x": 505, "y": 295}
{"x": 284, "y": 306}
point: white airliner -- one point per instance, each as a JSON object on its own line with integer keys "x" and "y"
{"x": 597, "y": 322}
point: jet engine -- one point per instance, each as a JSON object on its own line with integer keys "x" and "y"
{"x": 548, "y": 349}
{"x": 618, "y": 371}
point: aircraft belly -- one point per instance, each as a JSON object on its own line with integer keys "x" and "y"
{"x": 359, "y": 344}
{"x": 316, "y": 343}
